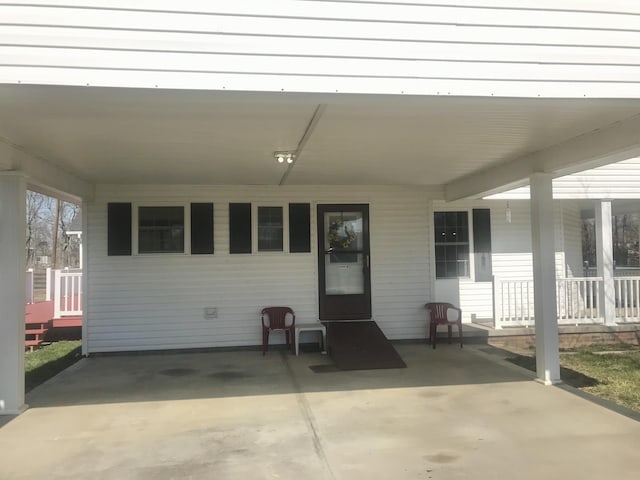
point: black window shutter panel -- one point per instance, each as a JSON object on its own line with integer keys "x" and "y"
{"x": 119, "y": 229}
{"x": 482, "y": 244}
{"x": 299, "y": 227}
{"x": 201, "y": 228}
{"x": 239, "y": 228}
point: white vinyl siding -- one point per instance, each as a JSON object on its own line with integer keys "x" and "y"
{"x": 572, "y": 227}
{"x": 511, "y": 252}
{"x": 614, "y": 181}
{"x": 157, "y": 301}
{"x": 561, "y": 48}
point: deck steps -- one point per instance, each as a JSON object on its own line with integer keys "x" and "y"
{"x": 34, "y": 333}
{"x": 41, "y": 326}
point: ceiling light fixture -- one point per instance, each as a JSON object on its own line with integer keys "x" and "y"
{"x": 282, "y": 157}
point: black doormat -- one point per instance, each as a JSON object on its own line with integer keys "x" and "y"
{"x": 359, "y": 346}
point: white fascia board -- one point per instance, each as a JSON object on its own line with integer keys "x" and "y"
{"x": 44, "y": 177}
{"x": 613, "y": 143}
{"x": 319, "y": 83}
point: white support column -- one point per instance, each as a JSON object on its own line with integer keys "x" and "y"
{"x": 84, "y": 265}
{"x": 12, "y": 282}
{"x": 604, "y": 259}
{"x": 544, "y": 279}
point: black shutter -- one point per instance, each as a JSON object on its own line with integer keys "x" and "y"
{"x": 201, "y": 228}
{"x": 482, "y": 244}
{"x": 239, "y": 228}
{"x": 119, "y": 229}
{"x": 299, "y": 227}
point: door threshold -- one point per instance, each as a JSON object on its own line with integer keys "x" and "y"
{"x": 348, "y": 320}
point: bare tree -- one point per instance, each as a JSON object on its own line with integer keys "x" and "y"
{"x": 47, "y": 221}
{"x": 38, "y": 231}
{"x": 589, "y": 242}
{"x": 70, "y": 249}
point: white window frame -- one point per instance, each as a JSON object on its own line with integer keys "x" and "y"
{"x": 471, "y": 257}
{"x": 186, "y": 208}
{"x": 254, "y": 228}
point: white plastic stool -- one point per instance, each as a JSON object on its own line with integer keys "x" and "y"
{"x": 311, "y": 327}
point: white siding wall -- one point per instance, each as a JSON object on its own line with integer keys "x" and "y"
{"x": 511, "y": 252}
{"x": 572, "y": 226}
{"x": 553, "y": 48}
{"x": 614, "y": 181}
{"x": 157, "y": 301}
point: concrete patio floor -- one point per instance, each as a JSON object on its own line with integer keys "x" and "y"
{"x": 452, "y": 414}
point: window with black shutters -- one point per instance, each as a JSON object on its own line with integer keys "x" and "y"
{"x": 269, "y": 228}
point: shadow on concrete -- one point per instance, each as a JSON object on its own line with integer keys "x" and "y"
{"x": 180, "y": 376}
{"x": 568, "y": 375}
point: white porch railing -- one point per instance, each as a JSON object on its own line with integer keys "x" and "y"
{"x": 29, "y": 286}
{"x": 512, "y": 303}
{"x": 627, "y": 298}
{"x": 578, "y": 301}
{"x": 67, "y": 293}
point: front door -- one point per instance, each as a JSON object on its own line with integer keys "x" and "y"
{"x": 343, "y": 262}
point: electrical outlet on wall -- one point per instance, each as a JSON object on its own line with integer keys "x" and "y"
{"x": 210, "y": 312}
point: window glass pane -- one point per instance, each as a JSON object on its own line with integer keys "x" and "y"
{"x": 463, "y": 269}
{"x": 462, "y": 234}
{"x": 452, "y": 269}
{"x": 451, "y": 244}
{"x": 270, "y": 229}
{"x": 161, "y": 229}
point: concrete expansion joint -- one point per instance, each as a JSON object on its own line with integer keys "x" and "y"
{"x": 307, "y": 414}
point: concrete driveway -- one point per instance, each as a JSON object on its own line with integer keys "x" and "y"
{"x": 452, "y": 414}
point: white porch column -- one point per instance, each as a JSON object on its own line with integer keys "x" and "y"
{"x": 12, "y": 281}
{"x": 544, "y": 279}
{"x": 604, "y": 259}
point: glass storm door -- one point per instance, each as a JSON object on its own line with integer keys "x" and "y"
{"x": 343, "y": 262}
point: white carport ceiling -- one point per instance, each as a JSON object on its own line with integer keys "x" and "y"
{"x": 110, "y": 135}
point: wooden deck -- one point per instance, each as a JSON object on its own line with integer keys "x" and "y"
{"x": 40, "y": 324}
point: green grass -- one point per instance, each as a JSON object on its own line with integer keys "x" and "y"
{"x": 44, "y": 363}
{"x": 612, "y": 376}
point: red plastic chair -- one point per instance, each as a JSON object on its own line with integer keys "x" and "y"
{"x": 438, "y": 315}
{"x": 277, "y": 320}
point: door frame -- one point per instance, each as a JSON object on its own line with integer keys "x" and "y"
{"x": 365, "y": 301}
